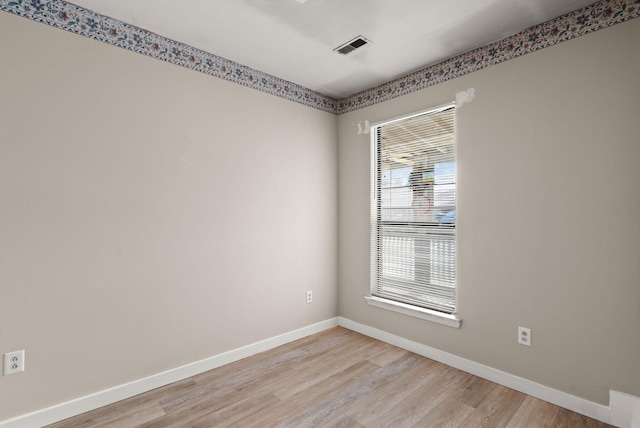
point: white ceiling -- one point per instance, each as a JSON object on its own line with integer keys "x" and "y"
{"x": 294, "y": 39}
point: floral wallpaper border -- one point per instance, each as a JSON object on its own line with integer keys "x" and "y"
{"x": 75, "y": 19}
{"x": 583, "y": 21}
{"x": 69, "y": 17}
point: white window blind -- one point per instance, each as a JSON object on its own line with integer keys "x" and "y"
{"x": 413, "y": 245}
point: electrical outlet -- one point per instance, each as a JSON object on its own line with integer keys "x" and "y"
{"x": 13, "y": 362}
{"x": 309, "y": 296}
{"x": 524, "y": 336}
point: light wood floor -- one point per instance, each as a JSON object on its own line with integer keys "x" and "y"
{"x": 337, "y": 378}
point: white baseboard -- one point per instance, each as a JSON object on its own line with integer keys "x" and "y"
{"x": 108, "y": 396}
{"x": 559, "y": 398}
{"x": 625, "y": 410}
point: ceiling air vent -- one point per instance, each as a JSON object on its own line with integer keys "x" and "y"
{"x": 351, "y": 45}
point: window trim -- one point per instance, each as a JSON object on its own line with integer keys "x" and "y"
{"x": 414, "y": 311}
{"x": 446, "y": 319}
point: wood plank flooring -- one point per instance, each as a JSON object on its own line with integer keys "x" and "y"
{"x": 337, "y": 378}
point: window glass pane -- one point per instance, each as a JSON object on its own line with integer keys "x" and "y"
{"x": 413, "y": 241}
{"x": 397, "y": 258}
{"x": 396, "y": 197}
{"x": 445, "y": 173}
{"x": 400, "y": 176}
{"x": 444, "y": 195}
{"x": 394, "y": 177}
{"x": 403, "y": 215}
{"x": 385, "y": 178}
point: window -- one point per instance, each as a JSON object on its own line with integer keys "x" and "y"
{"x": 413, "y": 260}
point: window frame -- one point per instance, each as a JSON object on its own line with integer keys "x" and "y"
{"x": 377, "y": 298}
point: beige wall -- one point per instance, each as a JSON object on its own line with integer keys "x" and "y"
{"x": 548, "y": 215}
{"x": 141, "y": 203}
{"x": 151, "y": 216}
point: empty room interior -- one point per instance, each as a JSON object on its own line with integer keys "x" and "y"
{"x": 187, "y": 185}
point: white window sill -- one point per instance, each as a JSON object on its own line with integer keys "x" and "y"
{"x": 414, "y": 311}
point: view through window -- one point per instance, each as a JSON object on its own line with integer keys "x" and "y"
{"x": 414, "y": 210}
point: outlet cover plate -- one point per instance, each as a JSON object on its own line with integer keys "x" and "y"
{"x": 13, "y": 362}
{"x": 524, "y": 336}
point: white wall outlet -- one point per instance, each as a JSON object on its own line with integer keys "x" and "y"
{"x": 13, "y": 362}
{"x": 524, "y": 336}
{"x": 309, "y": 296}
